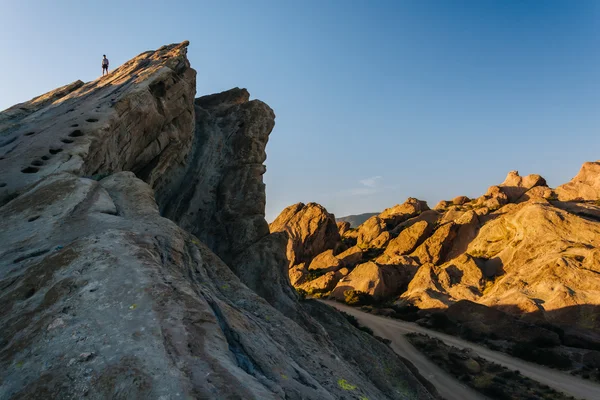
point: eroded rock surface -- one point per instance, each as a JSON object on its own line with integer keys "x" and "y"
{"x": 105, "y": 298}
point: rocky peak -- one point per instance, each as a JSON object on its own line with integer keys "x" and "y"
{"x": 139, "y": 118}
{"x": 584, "y": 186}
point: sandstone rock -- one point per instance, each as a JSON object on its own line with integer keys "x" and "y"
{"x": 311, "y": 230}
{"x": 493, "y": 199}
{"x": 468, "y": 227}
{"x": 436, "y": 247}
{"x": 351, "y": 257}
{"x": 442, "y": 205}
{"x": 381, "y": 241}
{"x": 438, "y": 287}
{"x": 91, "y": 272}
{"x": 298, "y": 274}
{"x": 219, "y": 195}
{"x": 432, "y": 217}
{"x": 325, "y": 262}
{"x": 370, "y": 230}
{"x": 105, "y": 126}
{"x": 322, "y": 284}
{"x": 409, "y": 239}
{"x": 343, "y": 227}
{"x": 379, "y": 281}
{"x": 514, "y": 186}
{"x": 460, "y": 200}
{"x": 538, "y": 192}
{"x": 584, "y": 186}
{"x": 401, "y": 212}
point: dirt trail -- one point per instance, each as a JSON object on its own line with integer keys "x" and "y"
{"x": 451, "y": 388}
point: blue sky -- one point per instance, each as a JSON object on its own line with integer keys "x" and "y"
{"x": 376, "y": 101}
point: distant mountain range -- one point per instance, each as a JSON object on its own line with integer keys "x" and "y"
{"x": 356, "y": 220}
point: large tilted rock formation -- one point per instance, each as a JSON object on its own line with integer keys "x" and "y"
{"x": 516, "y": 248}
{"x": 104, "y": 297}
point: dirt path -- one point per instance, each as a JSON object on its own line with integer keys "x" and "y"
{"x": 451, "y": 388}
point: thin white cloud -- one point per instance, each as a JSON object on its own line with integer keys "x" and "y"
{"x": 372, "y": 181}
{"x": 362, "y": 191}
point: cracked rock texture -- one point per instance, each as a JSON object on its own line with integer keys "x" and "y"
{"x": 135, "y": 262}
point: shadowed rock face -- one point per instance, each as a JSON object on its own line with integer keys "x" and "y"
{"x": 103, "y": 297}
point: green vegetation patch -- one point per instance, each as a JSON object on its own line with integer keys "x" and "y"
{"x": 492, "y": 380}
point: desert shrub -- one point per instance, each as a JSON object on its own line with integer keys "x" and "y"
{"x": 441, "y": 322}
{"x": 366, "y": 329}
{"x": 357, "y": 298}
{"x": 406, "y": 312}
{"x": 547, "y": 357}
{"x": 301, "y": 294}
{"x": 351, "y": 319}
{"x": 496, "y": 391}
{"x": 543, "y": 341}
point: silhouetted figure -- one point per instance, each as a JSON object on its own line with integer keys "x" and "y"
{"x": 104, "y": 65}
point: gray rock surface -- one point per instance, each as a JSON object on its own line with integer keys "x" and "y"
{"x": 102, "y": 297}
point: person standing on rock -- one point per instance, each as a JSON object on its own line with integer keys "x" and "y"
{"x": 104, "y": 65}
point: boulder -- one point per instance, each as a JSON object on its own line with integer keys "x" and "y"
{"x": 460, "y": 200}
{"x": 584, "y": 186}
{"x": 378, "y": 281}
{"x": 351, "y": 257}
{"x": 442, "y": 205}
{"x": 298, "y": 274}
{"x": 343, "y": 227}
{"x": 311, "y": 231}
{"x": 468, "y": 227}
{"x": 325, "y": 262}
{"x": 436, "y": 247}
{"x": 514, "y": 186}
{"x": 322, "y": 284}
{"x": 409, "y": 239}
{"x": 401, "y": 212}
{"x": 370, "y": 230}
{"x": 381, "y": 241}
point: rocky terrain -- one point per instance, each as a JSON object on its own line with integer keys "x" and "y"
{"x": 522, "y": 249}
{"x": 136, "y": 263}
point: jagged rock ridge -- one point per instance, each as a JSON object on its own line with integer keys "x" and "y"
{"x": 105, "y": 298}
{"x": 522, "y": 247}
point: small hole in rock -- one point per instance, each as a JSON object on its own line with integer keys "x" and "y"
{"x": 37, "y": 163}
{"x": 2, "y": 184}
{"x": 74, "y": 125}
{"x": 30, "y": 170}
{"x": 91, "y": 120}
{"x": 67, "y": 141}
{"x": 29, "y": 293}
{"x": 33, "y": 218}
{"x": 55, "y": 151}
{"x": 29, "y": 133}
{"x": 76, "y": 133}
{"x": 45, "y": 158}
